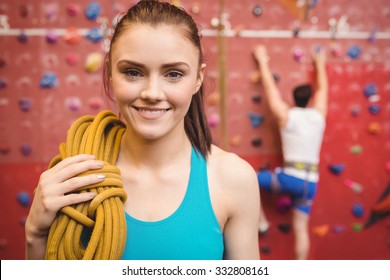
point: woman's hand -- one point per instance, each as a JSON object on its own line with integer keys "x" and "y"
{"x": 54, "y": 191}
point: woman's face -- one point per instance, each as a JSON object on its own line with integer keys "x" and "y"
{"x": 155, "y": 72}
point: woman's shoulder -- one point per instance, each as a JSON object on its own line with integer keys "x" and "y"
{"x": 230, "y": 169}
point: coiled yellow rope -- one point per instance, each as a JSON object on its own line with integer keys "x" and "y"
{"x": 104, "y": 215}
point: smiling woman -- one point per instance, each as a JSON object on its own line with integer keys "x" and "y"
{"x": 183, "y": 201}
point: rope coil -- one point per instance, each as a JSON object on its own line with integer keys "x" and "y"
{"x": 104, "y": 214}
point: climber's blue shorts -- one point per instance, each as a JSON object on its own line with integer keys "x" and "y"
{"x": 302, "y": 192}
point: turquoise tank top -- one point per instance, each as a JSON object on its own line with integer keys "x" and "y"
{"x": 192, "y": 232}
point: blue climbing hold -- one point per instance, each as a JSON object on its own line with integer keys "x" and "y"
{"x": 370, "y": 90}
{"x": 92, "y": 11}
{"x": 24, "y": 198}
{"x": 354, "y": 52}
{"x": 374, "y": 109}
{"x": 336, "y": 169}
{"x": 94, "y": 35}
{"x": 256, "y": 119}
{"x": 49, "y": 80}
{"x": 358, "y": 210}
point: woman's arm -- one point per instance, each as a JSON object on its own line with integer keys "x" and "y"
{"x": 243, "y": 207}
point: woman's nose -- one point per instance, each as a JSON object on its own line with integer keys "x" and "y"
{"x": 152, "y": 90}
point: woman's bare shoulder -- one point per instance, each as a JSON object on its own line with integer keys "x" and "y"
{"x": 230, "y": 169}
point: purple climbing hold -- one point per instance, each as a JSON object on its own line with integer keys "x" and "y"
{"x": 51, "y": 36}
{"x": 22, "y": 38}
{"x": 3, "y": 84}
{"x": 25, "y": 104}
{"x": 25, "y": 149}
{"x": 336, "y": 169}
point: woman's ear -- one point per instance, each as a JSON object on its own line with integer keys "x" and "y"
{"x": 199, "y": 80}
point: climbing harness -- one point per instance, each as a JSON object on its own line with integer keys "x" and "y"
{"x": 104, "y": 215}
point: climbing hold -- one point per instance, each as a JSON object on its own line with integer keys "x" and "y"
{"x": 256, "y": 99}
{"x": 51, "y": 36}
{"x": 298, "y": 55}
{"x": 336, "y": 169}
{"x": 73, "y": 103}
{"x": 24, "y": 11}
{"x": 257, "y": 10}
{"x": 235, "y": 140}
{"x": 22, "y": 38}
{"x": 276, "y": 77}
{"x": 24, "y": 198}
{"x": 374, "y": 128}
{"x": 355, "y": 110}
{"x": 95, "y": 103}
{"x": 374, "y": 109}
{"x": 356, "y": 187}
{"x": 214, "y": 120}
{"x": 356, "y": 149}
{"x": 25, "y": 149}
{"x": 284, "y": 228}
{"x": 321, "y": 231}
{"x": 374, "y": 98}
{"x": 370, "y": 90}
{"x": 93, "y": 62}
{"x": 94, "y": 35}
{"x": 92, "y": 11}
{"x": 71, "y": 35}
{"x": 49, "y": 80}
{"x": 4, "y": 150}
{"x": 213, "y": 98}
{"x": 51, "y": 11}
{"x": 25, "y": 104}
{"x": 338, "y": 229}
{"x": 312, "y": 3}
{"x": 358, "y": 210}
{"x": 265, "y": 250}
{"x": 335, "y": 49}
{"x": 357, "y": 227}
{"x": 387, "y": 166}
{"x": 72, "y": 58}
{"x": 3, "y": 84}
{"x": 257, "y": 142}
{"x": 3, "y": 243}
{"x": 73, "y": 10}
{"x": 214, "y": 22}
{"x": 354, "y": 52}
{"x": 283, "y": 203}
{"x": 256, "y": 119}
{"x": 255, "y": 77}
{"x": 2, "y": 63}
{"x": 195, "y": 9}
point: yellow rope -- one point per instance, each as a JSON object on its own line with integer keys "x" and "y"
{"x": 104, "y": 215}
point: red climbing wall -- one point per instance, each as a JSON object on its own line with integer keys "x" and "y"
{"x": 33, "y": 120}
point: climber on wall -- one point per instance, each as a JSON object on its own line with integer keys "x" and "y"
{"x": 301, "y": 128}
